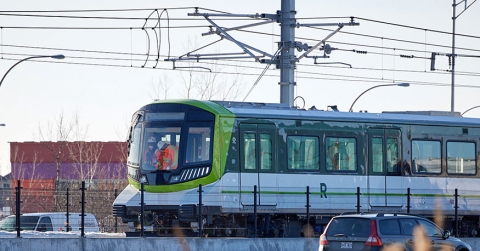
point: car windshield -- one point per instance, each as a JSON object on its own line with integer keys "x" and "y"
{"x": 344, "y": 226}
{"x": 26, "y": 223}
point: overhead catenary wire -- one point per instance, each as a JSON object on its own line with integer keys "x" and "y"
{"x": 371, "y": 80}
{"x": 231, "y": 65}
{"x": 106, "y": 10}
{"x": 118, "y": 18}
{"x": 349, "y": 44}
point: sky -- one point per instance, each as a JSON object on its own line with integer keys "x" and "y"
{"x": 106, "y": 74}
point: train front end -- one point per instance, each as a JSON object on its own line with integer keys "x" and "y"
{"x": 174, "y": 146}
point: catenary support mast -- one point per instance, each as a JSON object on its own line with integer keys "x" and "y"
{"x": 284, "y": 59}
{"x": 287, "y": 53}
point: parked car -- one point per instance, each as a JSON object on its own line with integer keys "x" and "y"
{"x": 368, "y": 232}
{"x": 44, "y": 222}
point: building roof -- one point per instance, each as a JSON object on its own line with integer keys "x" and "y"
{"x": 50, "y": 152}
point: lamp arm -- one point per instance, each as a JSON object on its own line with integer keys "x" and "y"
{"x": 350, "y": 110}
{"x": 1, "y": 81}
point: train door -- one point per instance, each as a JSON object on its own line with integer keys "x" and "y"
{"x": 257, "y": 164}
{"x": 384, "y": 181}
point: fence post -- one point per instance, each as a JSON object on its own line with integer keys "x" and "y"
{"x": 68, "y": 213}
{"x": 82, "y": 216}
{"x": 457, "y": 234}
{"x": 142, "y": 208}
{"x": 358, "y": 200}
{"x": 200, "y": 211}
{"x": 408, "y": 200}
{"x": 17, "y": 208}
{"x": 116, "y": 219}
{"x": 255, "y": 211}
{"x": 308, "y": 204}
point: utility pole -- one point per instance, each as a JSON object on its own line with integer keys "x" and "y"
{"x": 453, "y": 56}
{"x": 287, "y": 53}
{"x": 284, "y": 59}
{"x": 452, "y": 99}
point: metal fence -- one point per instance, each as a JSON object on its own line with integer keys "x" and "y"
{"x": 82, "y": 197}
{"x": 72, "y": 198}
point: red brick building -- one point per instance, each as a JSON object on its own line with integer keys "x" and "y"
{"x": 44, "y": 167}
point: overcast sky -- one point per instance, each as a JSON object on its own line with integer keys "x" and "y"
{"x": 106, "y": 75}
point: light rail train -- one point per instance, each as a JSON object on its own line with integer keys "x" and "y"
{"x": 231, "y": 147}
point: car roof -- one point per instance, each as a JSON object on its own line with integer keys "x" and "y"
{"x": 377, "y": 215}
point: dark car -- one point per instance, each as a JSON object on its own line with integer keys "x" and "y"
{"x": 363, "y": 232}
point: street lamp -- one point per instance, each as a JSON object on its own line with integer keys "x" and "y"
{"x": 401, "y": 84}
{"x": 59, "y": 56}
{"x": 469, "y": 109}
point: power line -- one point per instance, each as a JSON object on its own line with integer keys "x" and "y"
{"x": 417, "y": 28}
{"x": 369, "y": 46}
{"x": 92, "y": 10}
{"x": 118, "y": 18}
{"x": 94, "y": 28}
{"x": 372, "y": 80}
{"x": 247, "y": 67}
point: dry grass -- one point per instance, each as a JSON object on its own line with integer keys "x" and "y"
{"x": 421, "y": 241}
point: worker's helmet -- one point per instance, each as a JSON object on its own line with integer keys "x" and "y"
{"x": 161, "y": 144}
{"x": 152, "y": 140}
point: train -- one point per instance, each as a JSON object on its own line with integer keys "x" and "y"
{"x": 249, "y": 169}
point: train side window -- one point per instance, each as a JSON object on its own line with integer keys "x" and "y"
{"x": 426, "y": 156}
{"x": 266, "y": 151}
{"x": 461, "y": 158}
{"x": 250, "y": 151}
{"x": 303, "y": 153}
{"x": 134, "y": 154}
{"x": 392, "y": 155}
{"x": 341, "y": 154}
{"x": 377, "y": 155}
{"x": 198, "y": 144}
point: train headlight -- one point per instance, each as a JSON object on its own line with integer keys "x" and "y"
{"x": 143, "y": 178}
{"x": 190, "y": 174}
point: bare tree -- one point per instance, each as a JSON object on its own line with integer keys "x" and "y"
{"x": 85, "y": 159}
{"x": 206, "y": 82}
{"x": 36, "y": 192}
{"x": 160, "y": 90}
{"x": 54, "y": 137}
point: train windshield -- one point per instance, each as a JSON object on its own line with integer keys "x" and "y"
{"x": 170, "y": 142}
{"x": 161, "y": 147}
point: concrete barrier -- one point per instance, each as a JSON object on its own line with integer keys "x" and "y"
{"x": 169, "y": 244}
{"x": 157, "y": 244}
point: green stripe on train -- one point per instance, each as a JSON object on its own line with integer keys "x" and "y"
{"x": 351, "y": 194}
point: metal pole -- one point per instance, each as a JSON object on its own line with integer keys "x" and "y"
{"x": 453, "y": 58}
{"x": 115, "y": 193}
{"x": 456, "y": 213}
{"x": 358, "y": 200}
{"x": 287, "y": 53}
{"x": 142, "y": 209}
{"x": 82, "y": 227}
{"x": 200, "y": 222}
{"x": 68, "y": 213}
{"x": 408, "y": 200}
{"x": 255, "y": 211}
{"x": 308, "y": 204}
{"x": 17, "y": 209}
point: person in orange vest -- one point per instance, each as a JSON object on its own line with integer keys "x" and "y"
{"x": 167, "y": 156}
{"x": 149, "y": 157}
